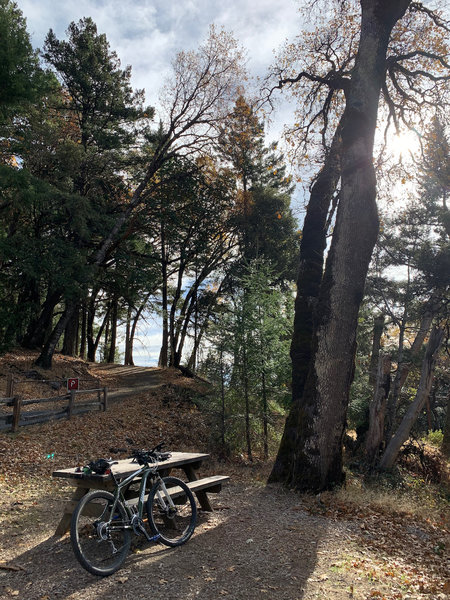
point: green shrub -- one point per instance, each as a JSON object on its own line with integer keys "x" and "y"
{"x": 435, "y": 438}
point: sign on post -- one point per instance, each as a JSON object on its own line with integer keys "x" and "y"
{"x": 73, "y": 384}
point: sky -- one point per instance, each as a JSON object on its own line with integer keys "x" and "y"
{"x": 147, "y": 34}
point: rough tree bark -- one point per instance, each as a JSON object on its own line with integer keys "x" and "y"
{"x": 423, "y": 391}
{"x": 377, "y": 409}
{"x": 312, "y": 249}
{"x": 37, "y": 331}
{"x": 316, "y": 462}
{"x": 71, "y": 334}
{"x": 403, "y": 367}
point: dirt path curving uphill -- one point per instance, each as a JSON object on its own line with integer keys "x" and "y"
{"x": 124, "y": 380}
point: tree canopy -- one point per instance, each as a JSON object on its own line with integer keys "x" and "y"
{"x": 109, "y": 218}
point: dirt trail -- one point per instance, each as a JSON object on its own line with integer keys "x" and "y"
{"x": 257, "y": 544}
{"x": 129, "y": 379}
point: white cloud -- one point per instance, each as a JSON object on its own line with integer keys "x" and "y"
{"x": 147, "y": 35}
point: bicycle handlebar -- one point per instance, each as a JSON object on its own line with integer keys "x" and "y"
{"x": 145, "y": 456}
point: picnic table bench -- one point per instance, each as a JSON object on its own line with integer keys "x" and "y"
{"x": 189, "y": 462}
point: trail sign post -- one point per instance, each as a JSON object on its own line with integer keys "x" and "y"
{"x": 73, "y": 384}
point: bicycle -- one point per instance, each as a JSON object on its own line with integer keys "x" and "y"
{"x": 102, "y": 522}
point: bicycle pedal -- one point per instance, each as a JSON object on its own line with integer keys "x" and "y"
{"x": 139, "y": 530}
{"x": 138, "y": 526}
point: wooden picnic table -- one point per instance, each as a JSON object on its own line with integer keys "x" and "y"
{"x": 189, "y": 462}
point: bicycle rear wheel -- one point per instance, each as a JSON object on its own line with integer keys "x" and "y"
{"x": 174, "y": 521}
{"x": 99, "y": 538}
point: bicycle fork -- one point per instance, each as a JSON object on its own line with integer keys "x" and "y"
{"x": 165, "y": 502}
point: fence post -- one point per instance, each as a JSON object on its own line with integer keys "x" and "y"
{"x": 105, "y": 399}
{"x": 9, "y": 386}
{"x": 71, "y": 403}
{"x": 17, "y": 406}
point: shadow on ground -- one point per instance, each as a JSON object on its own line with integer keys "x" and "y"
{"x": 257, "y": 544}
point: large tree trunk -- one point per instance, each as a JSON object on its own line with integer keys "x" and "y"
{"x": 423, "y": 392}
{"x": 317, "y": 459}
{"x": 37, "y": 331}
{"x": 71, "y": 331}
{"x": 45, "y": 358}
{"x": 377, "y": 409}
{"x": 312, "y": 248}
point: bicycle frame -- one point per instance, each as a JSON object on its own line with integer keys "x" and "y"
{"x": 145, "y": 472}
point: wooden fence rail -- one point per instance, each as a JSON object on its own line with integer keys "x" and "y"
{"x": 7, "y": 401}
{"x": 21, "y": 418}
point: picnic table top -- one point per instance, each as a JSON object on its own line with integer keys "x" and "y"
{"x": 125, "y": 467}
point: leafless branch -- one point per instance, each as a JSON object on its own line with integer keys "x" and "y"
{"x": 419, "y": 7}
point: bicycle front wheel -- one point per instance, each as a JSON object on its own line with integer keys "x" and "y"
{"x": 171, "y": 511}
{"x": 99, "y": 538}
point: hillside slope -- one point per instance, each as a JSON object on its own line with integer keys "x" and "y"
{"x": 260, "y": 541}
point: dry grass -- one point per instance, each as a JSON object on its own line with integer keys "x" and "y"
{"x": 416, "y": 498}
